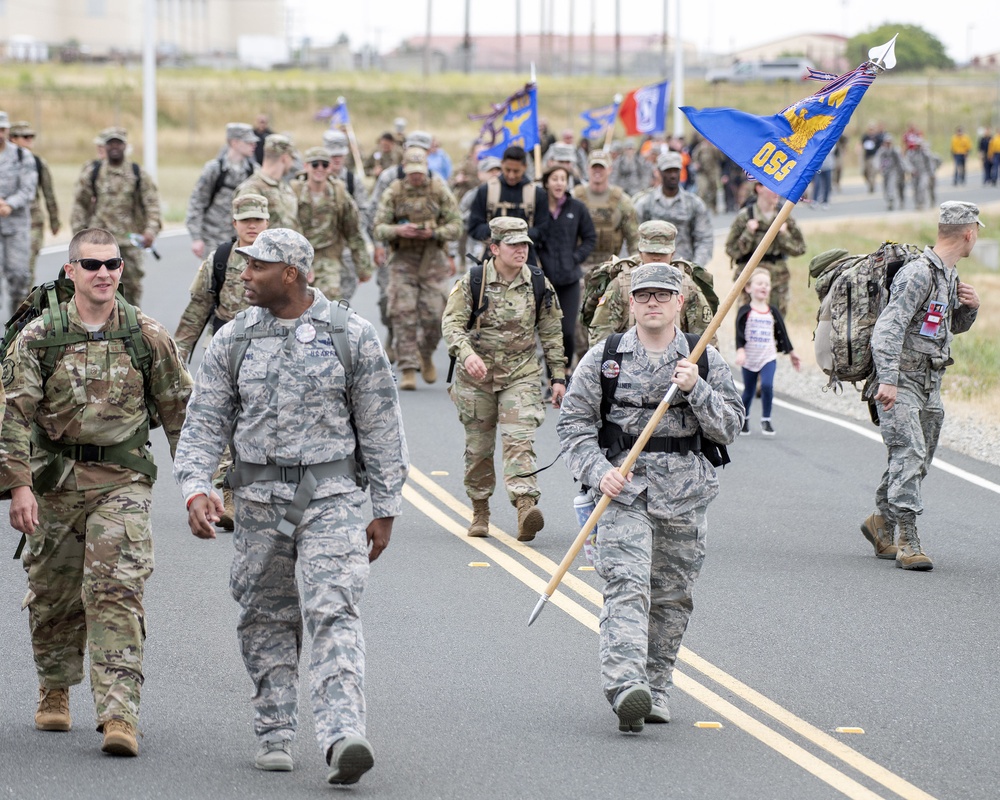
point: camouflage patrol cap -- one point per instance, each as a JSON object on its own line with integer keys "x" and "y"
{"x": 400, "y": 123}
{"x": 616, "y": 147}
{"x": 509, "y": 230}
{"x": 599, "y": 158}
{"x": 22, "y": 128}
{"x": 563, "y": 152}
{"x": 281, "y": 245}
{"x": 421, "y": 139}
{"x": 335, "y": 142}
{"x": 111, "y": 134}
{"x": 277, "y": 144}
{"x": 4, "y": 120}
{"x": 488, "y": 163}
{"x": 414, "y": 160}
{"x": 669, "y": 160}
{"x": 250, "y": 206}
{"x": 655, "y": 275}
{"x": 242, "y": 132}
{"x": 316, "y": 154}
{"x": 657, "y": 236}
{"x": 955, "y": 212}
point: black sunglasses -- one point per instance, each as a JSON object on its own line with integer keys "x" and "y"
{"x": 94, "y": 264}
{"x": 318, "y": 164}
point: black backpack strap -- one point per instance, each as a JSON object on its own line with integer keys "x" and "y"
{"x": 717, "y": 454}
{"x": 95, "y": 169}
{"x": 219, "y": 262}
{"x": 542, "y": 292}
{"x": 477, "y": 274}
{"x": 693, "y": 339}
{"x": 350, "y": 183}
{"x": 609, "y": 432}
{"x": 138, "y": 187}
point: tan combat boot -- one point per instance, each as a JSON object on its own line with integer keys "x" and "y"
{"x": 408, "y": 382}
{"x": 53, "y": 710}
{"x": 909, "y": 554}
{"x": 529, "y": 518}
{"x": 229, "y": 514}
{"x": 428, "y": 370}
{"x": 877, "y": 532}
{"x": 119, "y": 738}
{"x": 480, "y": 526}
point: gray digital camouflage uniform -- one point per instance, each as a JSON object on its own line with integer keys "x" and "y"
{"x": 211, "y": 219}
{"x": 18, "y": 182}
{"x": 90, "y": 556}
{"x": 687, "y": 213}
{"x": 915, "y": 365}
{"x": 651, "y": 540}
{"x": 291, "y": 408}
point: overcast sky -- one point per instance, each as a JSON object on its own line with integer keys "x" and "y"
{"x": 968, "y": 28}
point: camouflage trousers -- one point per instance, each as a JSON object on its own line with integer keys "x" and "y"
{"x": 87, "y": 564}
{"x": 649, "y": 567}
{"x": 37, "y": 238}
{"x": 131, "y": 284}
{"x": 15, "y": 255}
{"x": 331, "y": 549}
{"x": 708, "y": 189}
{"x": 327, "y": 271}
{"x": 517, "y": 410}
{"x": 893, "y": 183}
{"x": 416, "y": 297}
{"x": 910, "y": 431}
{"x": 922, "y": 189}
{"x": 781, "y": 279}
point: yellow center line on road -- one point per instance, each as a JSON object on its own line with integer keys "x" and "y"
{"x": 698, "y": 691}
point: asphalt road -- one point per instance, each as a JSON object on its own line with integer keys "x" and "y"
{"x": 798, "y": 630}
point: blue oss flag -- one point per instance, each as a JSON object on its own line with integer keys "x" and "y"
{"x": 336, "y": 114}
{"x": 598, "y": 120}
{"x": 512, "y": 122}
{"x": 784, "y": 151}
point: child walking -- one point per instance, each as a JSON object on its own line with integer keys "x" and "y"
{"x": 760, "y": 336}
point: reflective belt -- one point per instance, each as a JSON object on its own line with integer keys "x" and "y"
{"x": 307, "y": 476}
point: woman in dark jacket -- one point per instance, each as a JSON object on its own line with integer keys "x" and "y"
{"x": 568, "y": 242}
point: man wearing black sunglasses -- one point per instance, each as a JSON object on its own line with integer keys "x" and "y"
{"x": 85, "y": 510}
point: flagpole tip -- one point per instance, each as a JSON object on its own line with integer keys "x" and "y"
{"x": 342, "y": 99}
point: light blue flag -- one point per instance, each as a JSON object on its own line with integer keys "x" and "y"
{"x": 598, "y": 120}
{"x": 784, "y": 151}
{"x": 513, "y": 122}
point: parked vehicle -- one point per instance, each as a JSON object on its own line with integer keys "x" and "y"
{"x": 773, "y": 71}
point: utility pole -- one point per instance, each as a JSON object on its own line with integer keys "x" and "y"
{"x": 593, "y": 38}
{"x": 569, "y": 41}
{"x": 467, "y": 43}
{"x": 678, "y": 87}
{"x": 517, "y": 36}
{"x": 663, "y": 57}
{"x": 427, "y": 41}
{"x": 618, "y": 38}
{"x": 149, "y": 151}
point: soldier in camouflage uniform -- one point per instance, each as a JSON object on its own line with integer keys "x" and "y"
{"x": 651, "y": 540}
{"x": 119, "y": 196}
{"x": 911, "y": 346}
{"x": 18, "y": 182}
{"x": 683, "y": 210}
{"x": 657, "y": 241}
{"x": 498, "y": 374}
{"x": 282, "y": 204}
{"x": 709, "y": 176}
{"x": 610, "y": 209}
{"x": 890, "y": 164}
{"x": 748, "y": 231}
{"x": 209, "y": 221}
{"x": 631, "y": 171}
{"x": 23, "y": 135}
{"x": 417, "y": 216}
{"x": 330, "y": 221}
{"x": 293, "y": 403}
{"x": 921, "y": 163}
{"x": 387, "y": 155}
{"x": 75, "y": 459}
{"x": 338, "y": 146}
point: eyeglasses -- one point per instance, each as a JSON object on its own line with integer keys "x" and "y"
{"x": 664, "y": 296}
{"x": 94, "y": 264}
{"x": 318, "y": 164}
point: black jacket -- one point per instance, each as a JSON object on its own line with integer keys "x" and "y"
{"x": 570, "y": 239}
{"x": 784, "y": 344}
{"x": 478, "y": 226}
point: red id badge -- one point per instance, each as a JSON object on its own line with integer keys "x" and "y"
{"x": 932, "y": 319}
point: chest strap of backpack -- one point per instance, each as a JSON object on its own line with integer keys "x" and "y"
{"x": 307, "y": 476}
{"x": 120, "y": 454}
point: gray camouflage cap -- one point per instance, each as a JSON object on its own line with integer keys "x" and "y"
{"x": 250, "y": 206}
{"x": 281, "y": 245}
{"x": 278, "y": 144}
{"x": 421, "y": 139}
{"x": 509, "y": 230}
{"x": 488, "y": 163}
{"x": 657, "y": 236}
{"x": 656, "y": 275}
{"x": 669, "y": 160}
{"x": 955, "y": 212}
{"x": 242, "y": 132}
{"x": 4, "y": 120}
{"x": 22, "y": 128}
{"x": 335, "y": 142}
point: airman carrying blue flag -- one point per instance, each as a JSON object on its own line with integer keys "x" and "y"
{"x": 784, "y": 151}
{"x": 512, "y": 122}
{"x": 598, "y": 119}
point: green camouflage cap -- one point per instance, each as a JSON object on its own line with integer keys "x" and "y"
{"x": 250, "y": 206}
{"x": 657, "y": 236}
{"x": 317, "y": 154}
{"x": 22, "y": 128}
{"x": 509, "y": 230}
{"x": 600, "y": 158}
{"x": 955, "y": 212}
{"x": 242, "y": 132}
{"x": 281, "y": 245}
{"x": 110, "y": 134}
{"x": 656, "y": 275}
{"x": 415, "y": 160}
{"x": 278, "y": 144}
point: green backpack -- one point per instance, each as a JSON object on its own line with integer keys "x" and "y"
{"x": 596, "y": 283}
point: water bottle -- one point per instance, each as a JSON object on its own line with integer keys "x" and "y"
{"x": 585, "y": 505}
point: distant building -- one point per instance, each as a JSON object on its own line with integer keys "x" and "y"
{"x": 113, "y": 28}
{"x": 828, "y": 51}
